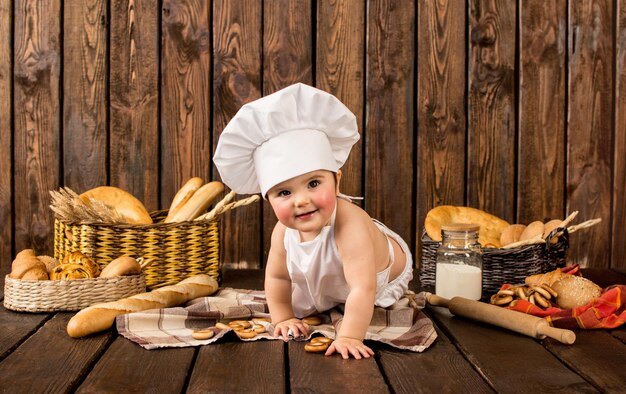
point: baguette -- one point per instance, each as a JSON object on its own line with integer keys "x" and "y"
{"x": 183, "y": 195}
{"x": 101, "y": 316}
{"x": 198, "y": 203}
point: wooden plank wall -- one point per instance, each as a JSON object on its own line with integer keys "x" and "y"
{"x": 514, "y": 107}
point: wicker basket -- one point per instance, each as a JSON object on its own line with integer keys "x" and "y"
{"x": 68, "y": 295}
{"x": 179, "y": 250}
{"x": 502, "y": 266}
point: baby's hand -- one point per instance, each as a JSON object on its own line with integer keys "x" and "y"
{"x": 296, "y": 326}
{"x": 349, "y": 346}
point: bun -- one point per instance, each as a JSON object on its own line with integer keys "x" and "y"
{"x": 121, "y": 266}
{"x": 50, "y": 262}
{"x": 183, "y": 195}
{"x": 100, "y": 317}
{"x": 491, "y": 226}
{"x": 533, "y": 230}
{"x": 574, "y": 291}
{"x": 130, "y": 208}
{"x": 551, "y": 225}
{"x": 198, "y": 203}
{"x": 545, "y": 279}
{"x": 511, "y": 234}
{"x": 27, "y": 266}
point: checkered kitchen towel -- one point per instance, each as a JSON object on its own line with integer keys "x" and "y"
{"x": 403, "y": 325}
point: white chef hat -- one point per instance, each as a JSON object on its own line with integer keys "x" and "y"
{"x": 296, "y": 130}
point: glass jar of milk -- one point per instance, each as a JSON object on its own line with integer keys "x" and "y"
{"x": 459, "y": 262}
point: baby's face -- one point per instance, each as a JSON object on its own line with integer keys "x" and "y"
{"x": 306, "y": 202}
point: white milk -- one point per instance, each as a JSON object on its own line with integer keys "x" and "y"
{"x": 460, "y": 280}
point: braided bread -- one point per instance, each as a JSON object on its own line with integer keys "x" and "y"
{"x": 100, "y": 317}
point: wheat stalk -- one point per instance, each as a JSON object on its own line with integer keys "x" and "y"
{"x": 70, "y": 208}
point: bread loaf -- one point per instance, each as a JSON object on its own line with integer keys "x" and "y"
{"x": 491, "y": 226}
{"x": 27, "y": 266}
{"x": 183, "y": 195}
{"x": 575, "y": 291}
{"x": 198, "y": 203}
{"x": 121, "y": 266}
{"x": 511, "y": 234}
{"x": 129, "y": 207}
{"x": 533, "y": 230}
{"x": 100, "y": 317}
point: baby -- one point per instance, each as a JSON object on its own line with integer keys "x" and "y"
{"x": 325, "y": 251}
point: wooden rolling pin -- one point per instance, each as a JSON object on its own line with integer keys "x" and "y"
{"x": 530, "y": 325}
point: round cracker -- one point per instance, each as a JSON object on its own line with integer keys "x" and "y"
{"x": 534, "y": 229}
{"x": 511, "y": 234}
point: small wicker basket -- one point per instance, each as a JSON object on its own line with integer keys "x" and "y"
{"x": 179, "y": 250}
{"x": 68, "y": 295}
{"x": 502, "y": 266}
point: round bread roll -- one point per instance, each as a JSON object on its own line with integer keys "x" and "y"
{"x": 130, "y": 208}
{"x": 535, "y": 229}
{"x": 575, "y": 291}
{"x": 50, "y": 262}
{"x": 549, "y": 226}
{"x": 511, "y": 234}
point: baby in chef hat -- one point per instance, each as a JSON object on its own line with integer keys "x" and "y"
{"x": 325, "y": 251}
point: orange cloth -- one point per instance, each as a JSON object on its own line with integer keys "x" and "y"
{"x": 606, "y": 311}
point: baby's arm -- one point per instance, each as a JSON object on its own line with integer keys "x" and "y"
{"x": 278, "y": 289}
{"x": 360, "y": 271}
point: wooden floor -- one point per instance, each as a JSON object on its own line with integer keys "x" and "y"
{"x": 36, "y": 355}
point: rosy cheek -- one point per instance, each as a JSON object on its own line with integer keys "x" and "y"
{"x": 282, "y": 211}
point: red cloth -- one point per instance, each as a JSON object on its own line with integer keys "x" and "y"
{"x": 606, "y": 311}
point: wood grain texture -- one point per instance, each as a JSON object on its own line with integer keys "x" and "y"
{"x": 389, "y": 135}
{"x": 237, "y": 49}
{"x": 589, "y": 136}
{"x": 6, "y": 145}
{"x": 440, "y": 107}
{"x": 127, "y": 367}
{"x": 430, "y": 370}
{"x": 85, "y": 98}
{"x": 340, "y": 71}
{"x": 491, "y": 106}
{"x": 134, "y": 91}
{"x": 16, "y": 327}
{"x": 239, "y": 367}
{"x": 315, "y": 373}
{"x": 606, "y": 377}
{"x": 496, "y": 360}
{"x": 287, "y": 59}
{"x": 618, "y": 229}
{"x": 51, "y": 361}
{"x": 185, "y": 94}
{"x": 37, "y": 123}
{"x": 541, "y": 162}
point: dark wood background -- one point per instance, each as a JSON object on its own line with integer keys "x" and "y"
{"x": 514, "y": 107}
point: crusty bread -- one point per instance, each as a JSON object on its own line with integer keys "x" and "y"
{"x": 27, "y": 266}
{"x": 534, "y": 229}
{"x": 545, "y": 279}
{"x": 49, "y": 261}
{"x": 549, "y": 226}
{"x": 491, "y": 226}
{"x": 183, "y": 195}
{"x": 198, "y": 203}
{"x": 129, "y": 207}
{"x": 121, "y": 266}
{"x": 511, "y": 234}
{"x": 574, "y": 291}
{"x": 101, "y": 316}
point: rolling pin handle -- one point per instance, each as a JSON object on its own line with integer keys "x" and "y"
{"x": 435, "y": 300}
{"x": 564, "y": 336}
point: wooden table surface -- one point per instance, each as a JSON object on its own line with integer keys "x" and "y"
{"x": 36, "y": 355}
